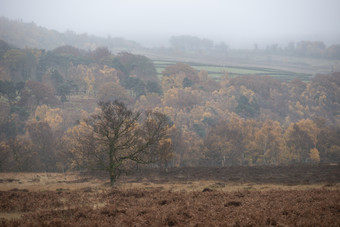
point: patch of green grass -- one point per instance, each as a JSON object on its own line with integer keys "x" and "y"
{"x": 215, "y": 71}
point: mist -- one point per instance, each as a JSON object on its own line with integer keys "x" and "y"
{"x": 240, "y": 24}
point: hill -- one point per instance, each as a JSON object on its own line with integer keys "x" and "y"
{"x": 22, "y": 35}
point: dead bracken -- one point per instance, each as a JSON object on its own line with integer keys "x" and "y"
{"x": 154, "y": 207}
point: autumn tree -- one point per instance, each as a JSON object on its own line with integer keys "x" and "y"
{"x": 301, "y": 140}
{"x": 17, "y": 154}
{"x": 328, "y": 144}
{"x": 35, "y": 94}
{"x": 20, "y": 63}
{"x": 268, "y": 143}
{"x": 138, "y": 65}
{"x": 4, "y": 154}
{"x": 224, "y": 143}
{"x": 76, "y": 144}
{"x": 112, "y": 91}
{"x": 41, "y": 135}
{"x": 179, "y": 75}
{"x": 153, "y": 87}
{"x": 52, "y": 116}
{"x": 4, "y": 47}
{"x": 165, "y": 148}
{"x": 247, "y": 108}
{"x": 135, "y": 85}
{"x": 117, "y": 135}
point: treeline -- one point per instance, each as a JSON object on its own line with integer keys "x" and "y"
{"x": 310, "y": 49}
{"x": 246, "y": 120}
{"x": 193, "y": 44}
{"x": 315, "y": 49}
{"x": 24, "y": 35}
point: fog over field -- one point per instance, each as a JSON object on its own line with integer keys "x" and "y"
{"x": 240, "y": 24}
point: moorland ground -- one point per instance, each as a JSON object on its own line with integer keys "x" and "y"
{"x": 229, "y": 196}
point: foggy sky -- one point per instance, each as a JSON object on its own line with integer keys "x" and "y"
{"x": 239, "y": 23}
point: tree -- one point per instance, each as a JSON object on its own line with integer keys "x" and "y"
{"x": 119, "y": 136}
{"x": 328, "y": 144}
{"x": 301, "y": 139}
{"x": 56, "y": 78}
{"x": 224, "y": 143}
{"x": 7, "y": 89}
{"x": 181, "y": 68}
{"x": 112, "y": 91}
{"x": 268, "y": 143}
{"x": 186, "y": 82}
{"x": 53, "y": 117}
{"x": 4, "y": 47}
{"x": 136, "y": 85}
{"x": 314, "y": 155}
{"x": 153, "y": 87}
{"x": 43, "y": 140}
{"x": 246, "y": 108}
{"x": 36, "y": 93}
{"x": 20, "y": 64}
{"x": 19, "y": 155}
{"x": 138, "y": 65}
{"x": 100, "y": 54}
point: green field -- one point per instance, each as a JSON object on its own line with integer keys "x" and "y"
{"x": 215, "y": 71}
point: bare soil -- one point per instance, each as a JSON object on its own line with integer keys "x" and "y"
{"x": 234, "y": 196}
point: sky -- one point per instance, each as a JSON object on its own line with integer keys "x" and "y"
{"x": 238, "y": 23}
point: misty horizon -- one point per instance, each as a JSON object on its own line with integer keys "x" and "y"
{"x": 239, "y": 24}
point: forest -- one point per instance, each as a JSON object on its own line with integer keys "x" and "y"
{"x": 169, "y": 113}
{"x": 48, "y": 96}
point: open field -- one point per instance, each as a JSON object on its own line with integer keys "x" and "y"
{"x": 216, "y": 71}
{"x": 230, "y": 196}
{"x": 243, "y": 62}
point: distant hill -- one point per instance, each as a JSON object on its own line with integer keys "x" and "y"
{"x": 21, "y": 34}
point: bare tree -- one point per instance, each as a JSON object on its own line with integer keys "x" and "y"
{"x": 122, "y": 135}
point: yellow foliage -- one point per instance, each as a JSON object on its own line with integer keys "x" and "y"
{"x": 110, "y": 74}
{"x": 334, "y": 149}
{"x": 207, "y": 114}
{"x": 322, "y": 99}
{"x": 89, "y": 79}
{"x": 314, "y": 155}
{"x": 73, "y": 141}
{"x": 247, "y": 92}
{"x": 54, "y": 117}
{"x": 310, "y": 127}
{"x": 203, "y": 75}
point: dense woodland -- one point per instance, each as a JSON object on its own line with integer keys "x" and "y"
{"x": 46, "y": 97}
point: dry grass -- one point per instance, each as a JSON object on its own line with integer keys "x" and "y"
{"x": 74, "y": 181}
{"x": 228, "y": 197}
{"x": 47, "y": 181}
{"x": 156, "y": 207}
{"x": 194, "y": 186}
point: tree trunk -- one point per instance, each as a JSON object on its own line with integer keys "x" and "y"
{"x": 113, "y": 178}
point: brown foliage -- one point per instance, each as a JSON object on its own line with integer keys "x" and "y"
{"x": 161, "y": 207}
{"x": 142, "y": 207}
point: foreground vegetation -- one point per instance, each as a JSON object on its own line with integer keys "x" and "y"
{"x": 144, "y": 207}
{"x": 259, "y": 196}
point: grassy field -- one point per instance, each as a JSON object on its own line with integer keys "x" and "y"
{"x": 230, "y": 196}
{"x": 216, "y": 71}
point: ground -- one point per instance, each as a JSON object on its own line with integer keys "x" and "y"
{"x": 230, "y": 196}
